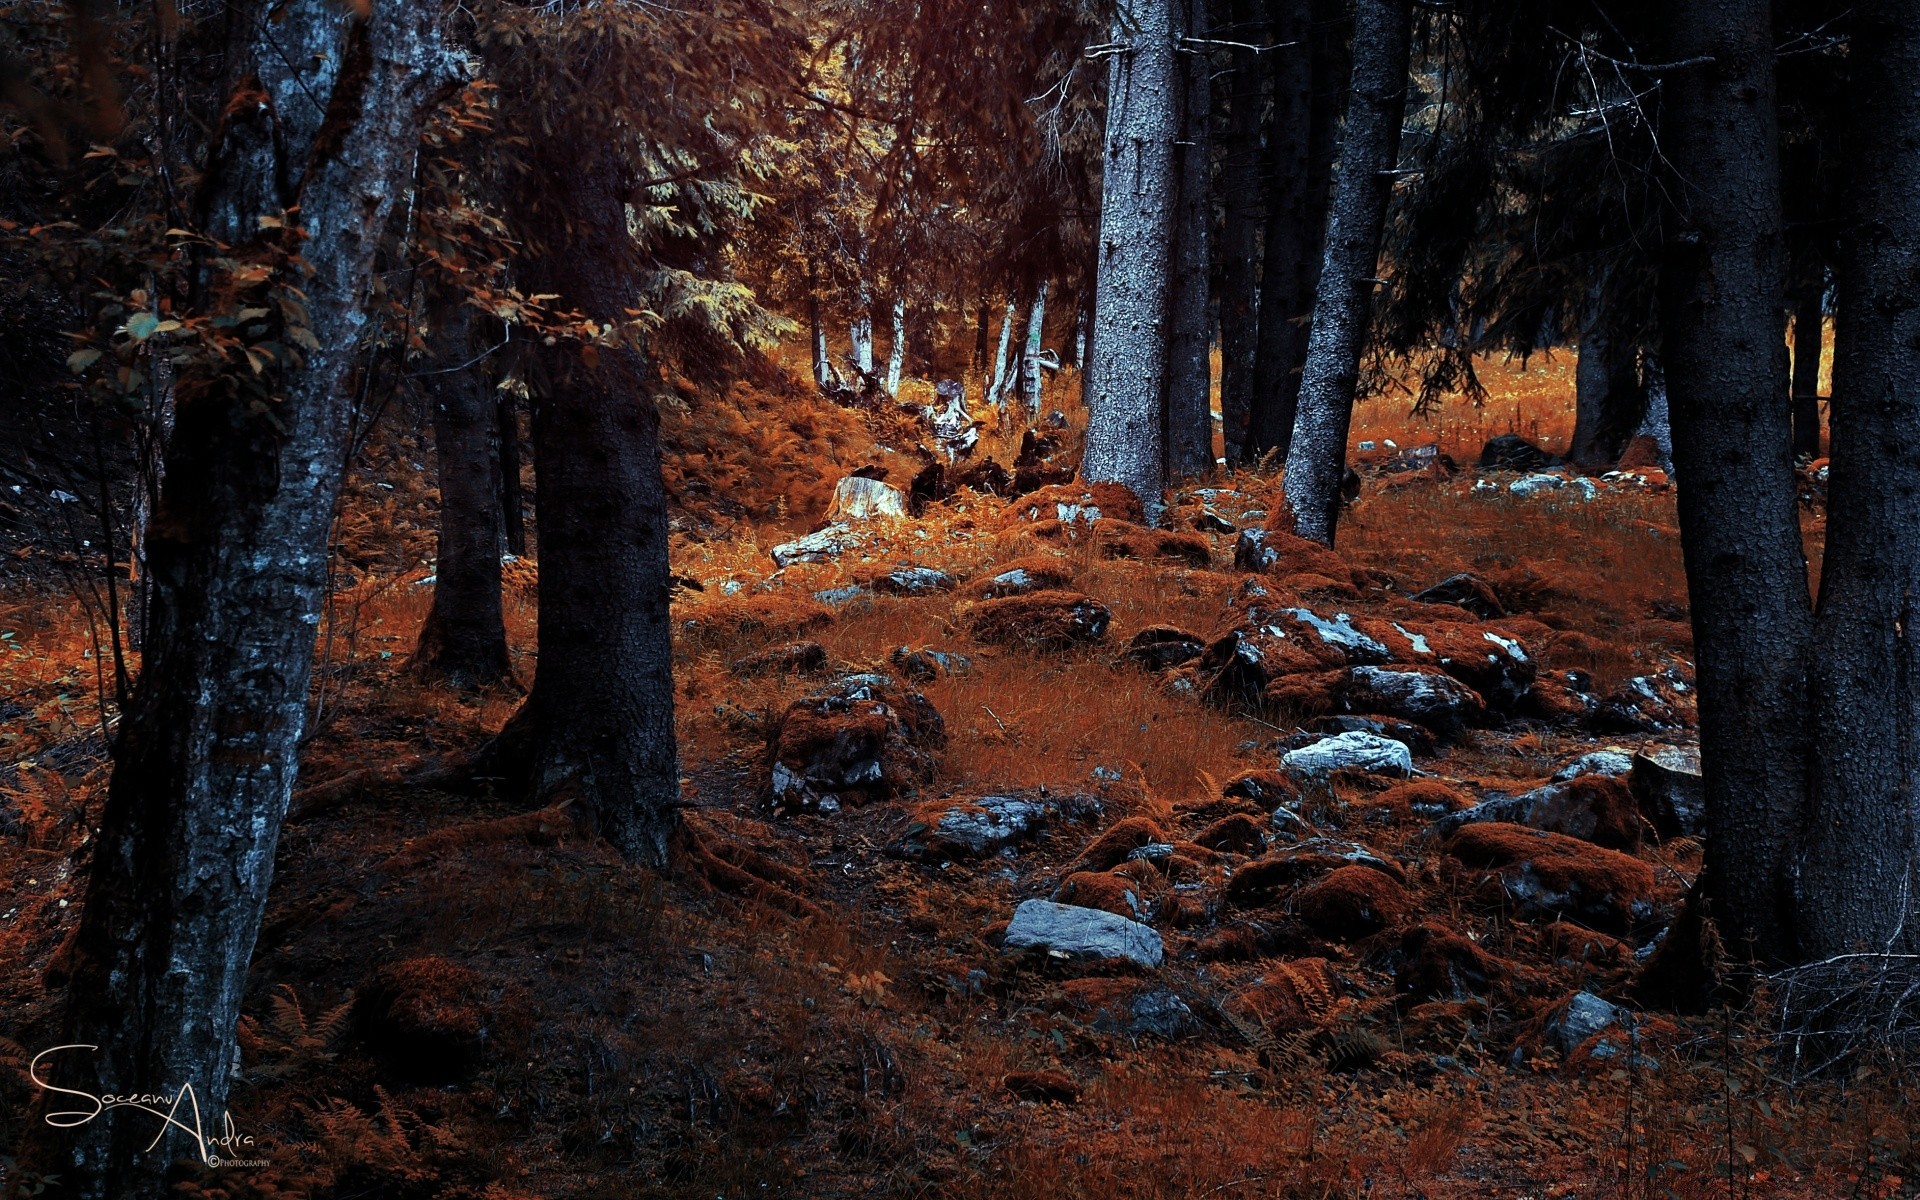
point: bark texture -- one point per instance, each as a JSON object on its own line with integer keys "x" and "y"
{"x": 1343, "y": 301}
{"x": 1030, "y": 368}
{"x": 1190, "y": 327}
{"x": 513, "y": 524}
{"x": 897, "y": 348}
{"x": 1857, "y": 869}
{"x": 822, "y": 361}
{"x": 237, "y": 557}
{"x": 997, "y": 387}
{"x": 1807, "y": 320}
{"x": 1240, "y": 208}
{"x": 1608, "y": 398}
{"x": 464, "y": 638}
{"x": 598, "y": 724}
{"x": 1725, "y": 364}
{"x": 1127, "y": 374}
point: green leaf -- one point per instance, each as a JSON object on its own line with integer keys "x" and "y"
{"x": 140, "y": 326}
{"x": 80, "y": 360}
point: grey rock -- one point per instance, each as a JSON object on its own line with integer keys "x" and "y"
{"x": 1439, "y": 702}
{"x": 1609, "y": 761}
{"x": 985, "y": 825}
{"x": 821, "y": 546}
{"x": 1579, "y": 1019}
{"x": 1362, "y": 751}
{"x": 840, "y": 596}
{"x": 1076, "y": 932}
{"x": 1666, "y": 782}
{"x": 1158, "y": 1013}
{"x": 915, "y": 581}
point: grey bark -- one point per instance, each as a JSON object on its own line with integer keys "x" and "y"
{"x": 997, "y": 387}
{"x": 1189, "y": 438}
{"x": 1127, "y": 373}
{"x": 237, "y": 555}
{"x": 1030, "y": 362}
{"x": 1343, "y": 301}
{"x": 1608, "y": 398}
{"x": 1856, "y": 871}
{"x": 1239, "y": 249}
{"x": 1807, "y": 320}
{"x": 1725, "y": 361}
{"x": 822, "y": 360}
{"x": 860, "y": 333}
{"x": 897, "y": 349}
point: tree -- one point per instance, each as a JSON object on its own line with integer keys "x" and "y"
{"x": 1343, "y": 300}
{"x": 1607, "y": 391}
{"x": 1724, "y": 358}
{"x": 1189, "y": 437}
{"x": 464, "y": 638}
{"x": 1126, "y": 378}
{"x": 1240, "y": 205}
{"x": 1857, "y": 854}
{"x": 206, "y": 757}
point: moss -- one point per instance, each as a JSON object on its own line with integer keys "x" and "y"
{"x": 1112, "y": 847}
{"x": 1050, "y": 620}
{"x": 1351, "y": 903}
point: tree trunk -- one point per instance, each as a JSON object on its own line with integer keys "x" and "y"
{"x": 1127, "y": 375}
{"x": 860, "y": 334}
{"x": 1725, "y": 363}
{"x": 1080, "y": 339}
{"x": 1856, "y": 875}
{"x": 464, "y": 638}
{"x": 997, "y": 387}
{"x": 980, "y": 338}
{"x": 513, "y": 523}
{"x": 1807, "y": 319}
{"x": 598, "y": 724}
{"x": 1240, "y": 224}
{"x": 822, "y": 361}
{"x": 1190, "y": 329}
{"x": 1609, "y": 400}
{"x": 1343, "y": 301}
{"x": 1030, "y": 379}
{"x": 897, "y": 349}
{"x": 237, "y": 555}
{"x": 1310, "y": 86}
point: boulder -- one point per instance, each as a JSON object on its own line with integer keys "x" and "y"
{"x": 1108, "y": 891}
{"x": 1237, "y": 834}
{"x": 1417, "y": 799}
{"x": 1667, "y": 784}
{"x": 1548, "y": 875}
{"x": 1156, "y": 1012}
{"x": 1124, "y": 539}
{"x": 1436, "y": 963}
{"x": 1584, "y": 1015}
{"x": 862, "y": 739}
{"x": 1659, "y": 703}
{"x": 1268, "y": 789}
{"x": 1052, "y": 620}
{"x": 1593, "y": 808}
{"x": 1266, "y": 879}
{"x": 1075, "y": 932}
{"x": 1275, "y": 552}
{"x": 1119, "y": 840}
{"x": 1418, "y": 738}
{"x": 1534, "y": 485}
{"x": 1033, "y": 573}
{"x": 1466, "y": 591}
{"x": 823, "y": 545}
{"x": 1427, "y": 696}
{"x": 913, "y": 581}
{"x": 856, "y": 498}
{"x": 1511, "y": 452}
{"x": 1078, "y": 502}
{"x": 987, "y": 825}
{"x": 1611, "y": 760}
{"x": 1354, "y": 751}
{"x": 1427, "y": 458}
{"x": 925, "y": 666}
{"x": 1350, "y": 903}
{"x": 1163, "y": 647}
{"x": 793, "y": 658}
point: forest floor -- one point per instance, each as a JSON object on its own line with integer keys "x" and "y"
{"x": 455, "y": 997}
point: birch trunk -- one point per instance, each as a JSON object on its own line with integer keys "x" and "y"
{"x": 897, "y": 349}
{"x": 860, "y": 334}
{"x": 237, "y": 555}
{"x": 1722, "y": 270}
{"x": 1127, "y": 374}
{"x": 1030, "y": 379}
{"x": 1190, "y": 327}
{"x": 997, "y": 387}
{"x": 1857, "y": 868}
{"x": 822, "y": 361}
{"x": 1343, "y": 301}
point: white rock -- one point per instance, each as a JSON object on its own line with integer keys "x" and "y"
{"x": 1533, "y": 485}
{"x": 1611, "y": 761}
{"x": 1365, "y": 751}
{"x": 857, "y": 498}
{"x": 1082, "y": 933}
{"x": 820, "y": 546}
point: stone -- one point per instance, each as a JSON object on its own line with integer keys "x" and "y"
{"x": 1667, "y": 784}
{"x": 1534, "y": 485}
{"x": 977, "y": 828}
{"x": 1429, "y": 697}
{"x": 1158, "y": 1012}
{"x": 1609, "y": 761}
{"x": 823, "y": 545}
{"x": 1548, "y": 875}
{"x": 1357, "y": 751}
{"x": 857, "y": 498}
{"x": 1593, "y": 808}
{"x": 925, "y": 666}
{"x": 914, "y": 581}
{"x": 1074, "y": 932}
{"x": 1583, "y": 1016}
{"x": 1052, "y": 620}
{"x": 863, "y": 738}
{"x": 1511, "y": 452}
{"x": 1418, "y": 738}
{"x": 1163, "y": 647}
{"x": 1350, "y": 903}
{"x": 792, "y": 658}
{"x": 1466, "y": 591}
{"x": 840, "y": 597}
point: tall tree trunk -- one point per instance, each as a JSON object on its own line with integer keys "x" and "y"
{"x": 897, "y": 348}
{"x": 1240, "y": 203}
{"x": 1311, "y": 82}
{"x": 980, "y": 338}
{"x": 1343, "y": 301}
{"x": 1857, "y": 870}
{"x": 1030, "y": 378}
{"x": 1080, "y": 338}
{"x": 997, "y": 388}
{"x": 822, "y": 361}
{"x": 598, "y": 724}
{"x": 1189, "y": 441}
{"x": 464, "y": 638}
{"x": 1609, "y": 400}
{"x": 1807, "y": 320}
{"x": 1725, "y": 363}
{"x": 513, "y": 523}
{"x": 237, "y": 555}
{"x": 1127, "y": 377}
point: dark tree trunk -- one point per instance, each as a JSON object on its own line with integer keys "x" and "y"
{"x": 1310, "y": 87}
{"x": 1127, "y": 374}
{"x": 598, "y": 724}
{"x": 1857, "y": 870}
{"x": 1609, "y": 400}
{"x": 1725, "y": 364}
{"x": 980, "y": 338}
{"x": 1343, "y": 301}
{"x": 1807, "y": 319}
{"x": 513, "y": 522}
{"x": 464, "y": 638}
{"x": 1190, "y": 326}
{"x": 1240, "y": 204}
{"x": 237, "y": 557}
